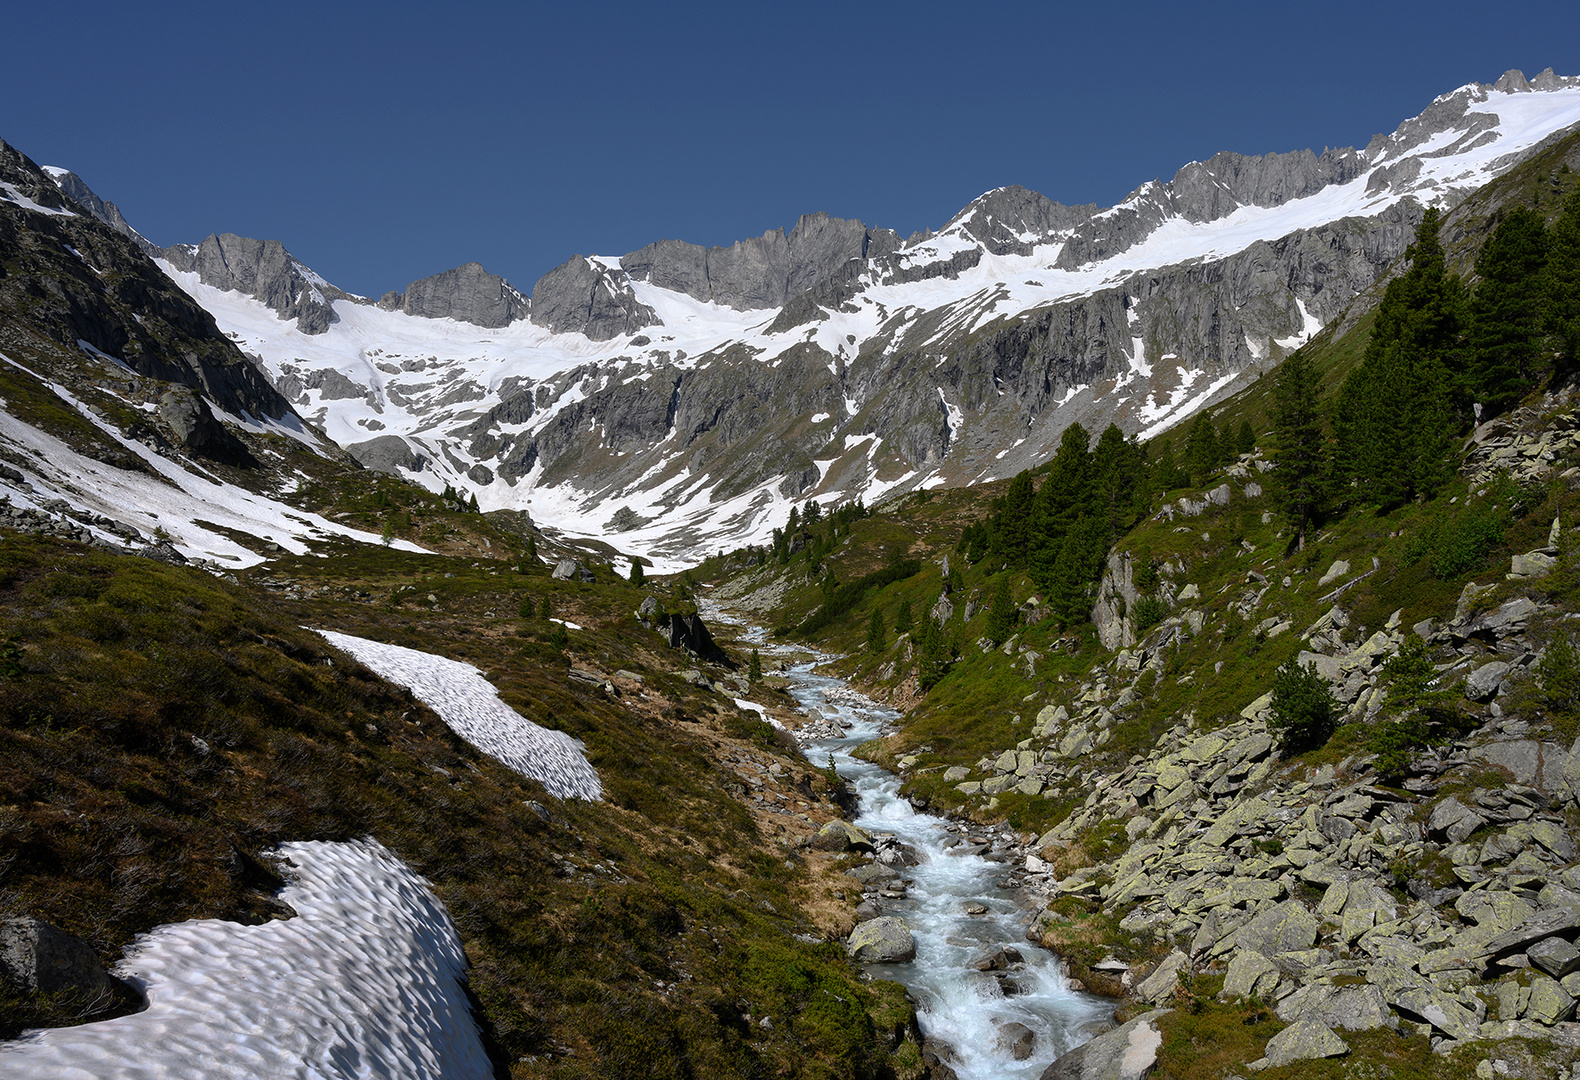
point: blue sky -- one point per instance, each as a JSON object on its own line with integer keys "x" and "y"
{"x": 385, "y": 142}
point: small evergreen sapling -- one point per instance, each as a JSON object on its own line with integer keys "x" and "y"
{"x": 1304, "y": 709}
{"x": 754, "y": 668}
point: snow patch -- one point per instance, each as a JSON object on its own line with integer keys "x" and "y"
{"x": 366, "y": 981}
{"x": 470, "y": 705}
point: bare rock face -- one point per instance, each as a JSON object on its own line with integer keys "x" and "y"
{"x": 195, "y": 427}
{"x": 468, "y": 293}
{"x": 262, "y": 269}
{"x": 36, "y": 957}
{"x": 585, "y": 296}
{"x": 386, "y": 454}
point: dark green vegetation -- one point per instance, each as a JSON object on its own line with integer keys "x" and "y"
{"x": 162, "y": 729}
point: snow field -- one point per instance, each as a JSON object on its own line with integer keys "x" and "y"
{"x": 470, "y": 705}
{"x": 365, "y": 982}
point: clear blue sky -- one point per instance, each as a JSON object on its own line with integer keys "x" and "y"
{"x": 385, "y": 142}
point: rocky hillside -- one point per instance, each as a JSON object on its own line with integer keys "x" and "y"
{"x": 701, "y": 390}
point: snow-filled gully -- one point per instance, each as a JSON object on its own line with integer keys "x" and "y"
{"x": 958, "y": 1005}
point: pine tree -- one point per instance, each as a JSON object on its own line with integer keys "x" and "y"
{"x": 527, "y": 610}
{"x": 754, "y": 668}
{"x": 1507, "y": 310}
{"x": 532, "y": 552}
{"x": 902, "y": 618}
{"x": 638, "y": 575}
{"x": 1118, "y": 470}
{"x": 875, "y": 631}
{"x": 1001, "y": 615}
{"x": 1304, "y": 710}
{"x": 545, "y": 609}
{"x": 1298, "y": 452}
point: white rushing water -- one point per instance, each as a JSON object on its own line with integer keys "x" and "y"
{"x": 958, "y": 1005}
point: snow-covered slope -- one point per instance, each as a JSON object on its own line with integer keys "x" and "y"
{"x": 366, "y": 980}
{"x": 951, "y": 357}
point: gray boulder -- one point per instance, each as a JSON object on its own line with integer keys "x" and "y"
{"x": 196, "y": 428}
{"x": 1354, "y": 1008}
{"x": 36, "y": 957}
{"x": 1129, "y": 1052}
{"x": 1286, "y": 927}
{"x": 1304, "y": 1040}
{"x": 1483, "y": 683}
{"x": 840, "y": 835}
{"x": 885, "y": 940}
{"x": 1016, "y": 1041}
{"x": 568, "y": 569}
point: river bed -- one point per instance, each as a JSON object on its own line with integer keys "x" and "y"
{"x": 969, "y": 1010}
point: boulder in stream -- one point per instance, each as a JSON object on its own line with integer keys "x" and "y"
{"x": 885, "y": 940}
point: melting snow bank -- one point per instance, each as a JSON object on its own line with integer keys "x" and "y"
{"x": 365, "y": 981}
{"x": 471, "y": 706}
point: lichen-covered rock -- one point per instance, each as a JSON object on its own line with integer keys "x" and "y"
{"x": 1129, "y": 1052}
{"x": 1304, "y": 1040}
{"x": 885, "y": 940}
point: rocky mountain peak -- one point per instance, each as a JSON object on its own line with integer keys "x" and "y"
{"x": 263, "y": 269}
{"x": 467, "y": 293}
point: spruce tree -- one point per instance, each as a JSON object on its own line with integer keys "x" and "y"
{"x": 637, "y": 574}
{"x": 875, "y": 631}
{"x": 1245, "y": 440}
{"x": 1201, "y": 448}
{"x": 527, "y": 610}
{"x": 1393, "y": 419}
{"x": 1013, "y": 533}
{"x": 1001, "y": 615}
{"x": 754, "y": 668}
{"x": 1507, "y": 310}
{"x": 1563, "y": 282}
{"x": 1298, "y": 452}
{"x": 902, "y": 618}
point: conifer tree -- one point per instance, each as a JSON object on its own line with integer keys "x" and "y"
{"x": 1245, "y": 440}
{"x": 1201, "y": 448}
{"x": 1298, "y": 451}
{"x": 1393, "y": 419}
{"x": 637, "y": 573}
{"x": 754, "y": 668}
{"x": 527, "y": 610}
{"x": 1563, "y": 282}
{"x": 1013, "y": 534}
{"x": 902, "y": 618}
{"x": 875, "y": 631}
{"x": 1001, "y": 615}
{"x": 1507, "y": 309}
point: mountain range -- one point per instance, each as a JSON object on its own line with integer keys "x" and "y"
{"x": 684, "y": 396}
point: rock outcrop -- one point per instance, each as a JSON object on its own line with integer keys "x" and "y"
{"x": 264, "y": 270}
{"x": 467, "y": 294}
